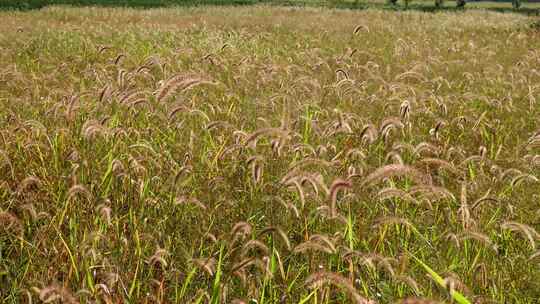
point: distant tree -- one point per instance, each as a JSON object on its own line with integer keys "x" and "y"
{"x": 439, "y": 3}
{"x": 460, "y": 3}
{"x": 393, "y": 2}
{"x": 516, "y": 4}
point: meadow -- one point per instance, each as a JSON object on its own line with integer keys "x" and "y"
{"x": 527, "y": 7}
{"x": 269, "y": 155}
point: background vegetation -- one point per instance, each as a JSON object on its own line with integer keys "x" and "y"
{"x": 425, "y": 5}
{"x": 268, "y": 155}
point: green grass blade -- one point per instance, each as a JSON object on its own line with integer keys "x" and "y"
{"x": 458, "y": 297}
{"x": 217, "y": 280}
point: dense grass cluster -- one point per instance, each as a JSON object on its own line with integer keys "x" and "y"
{"x": 527, "y": 7}
{"x": 36, "y": 4}
{"x": 269, "y": 155}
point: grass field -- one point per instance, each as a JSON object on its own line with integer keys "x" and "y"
{"x": 269, "y": 155}
{"x": 526, "y": 8}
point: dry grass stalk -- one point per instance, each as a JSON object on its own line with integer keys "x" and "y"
{"x": 396, "y": 170}
{"x": 54, "y": 293}
{"x": 441, "y": 163}
{"x": 480, "y": 237}
{"x": 9, "y": 221}
{"x": 158, "y": 258}
{"x": 178, "y": 83}
{"x": 527, "y": 231}
{"x": 280, "y": 232}
{"x": 393, "y": 193}
{"x": 338, "y": 184}
{"x": 252, "y": 139}
{"x": 318, "y": 279}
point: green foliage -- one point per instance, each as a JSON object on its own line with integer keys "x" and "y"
{"x": 456, "y": 296}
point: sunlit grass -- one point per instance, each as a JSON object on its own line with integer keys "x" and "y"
{"x": 268, "y": 155}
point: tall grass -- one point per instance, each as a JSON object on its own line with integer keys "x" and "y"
{"x": 268, "y": 155}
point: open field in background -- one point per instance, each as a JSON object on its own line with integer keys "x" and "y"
{"x": 271, "y": 155}
{"x": 527, "y": 7}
